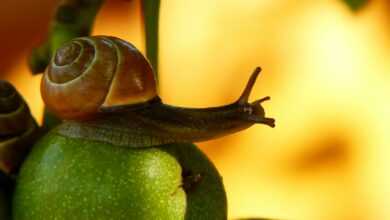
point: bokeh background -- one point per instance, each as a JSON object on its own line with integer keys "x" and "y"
{"x": 325, "y": 66}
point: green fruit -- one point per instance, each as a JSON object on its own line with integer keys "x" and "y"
{"x": 65, "y": 178}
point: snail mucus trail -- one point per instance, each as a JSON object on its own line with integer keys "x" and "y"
{"x": 151, "y": 123}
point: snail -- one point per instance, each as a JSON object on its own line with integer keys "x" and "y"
{"x": 105, "y": 90}
{"x": 18, "y": 129}
{"x": 120, "y": 152}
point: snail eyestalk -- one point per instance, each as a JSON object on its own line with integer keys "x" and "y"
{"x": 249, "y": 86}
{"x": 258, "y": 115}
{"x": 254, "y": 110}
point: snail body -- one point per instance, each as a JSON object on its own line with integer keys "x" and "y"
{"x": 121, "y": 153}
{"x": 105, "y": 88}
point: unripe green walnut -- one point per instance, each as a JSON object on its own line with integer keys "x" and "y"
{"x": 67, "y": 178}
{"x": 121, "y": 153}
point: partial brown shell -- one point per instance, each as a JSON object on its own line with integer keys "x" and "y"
{"x": 91, "y": 73}
{"x": 18, "y": 129}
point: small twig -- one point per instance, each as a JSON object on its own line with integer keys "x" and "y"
{"x": 73, "y": 18}
{"x": 356, "y": 5}
{"x": 150, "y": 11}
{"x": 254, "y": 219}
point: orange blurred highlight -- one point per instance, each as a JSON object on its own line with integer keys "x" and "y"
{"x": 327, "y": 71}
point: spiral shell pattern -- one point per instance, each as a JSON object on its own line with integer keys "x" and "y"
{"x": 14, "y": 113}
{"x": 89, "y": 74}
{"x": 18, "y": 129}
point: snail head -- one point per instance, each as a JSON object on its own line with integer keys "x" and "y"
{"x": 253, "y": 111}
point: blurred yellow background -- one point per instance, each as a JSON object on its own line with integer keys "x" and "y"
{"x": 326, "y": 68}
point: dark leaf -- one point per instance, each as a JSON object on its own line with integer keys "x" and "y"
{"x": 356, "y": 5}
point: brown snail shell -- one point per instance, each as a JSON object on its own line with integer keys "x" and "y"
{"x": 90, "y": 74}
{"x": 106, "y": 91}
{"x": 18, "y": 129}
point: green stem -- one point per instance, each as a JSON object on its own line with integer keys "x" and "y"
{"x": 356, "y": 5}
{"x": 150, "y": 10}
{"x": 254, "y": 219}
{"x": 73, "y": 18}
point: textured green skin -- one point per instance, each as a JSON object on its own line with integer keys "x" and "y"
{"x": 65, "y": 178}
